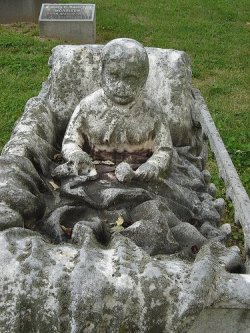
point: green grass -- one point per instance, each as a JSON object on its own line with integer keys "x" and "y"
{"x": 23, "y": 67}
{"x": 215, "y": 33}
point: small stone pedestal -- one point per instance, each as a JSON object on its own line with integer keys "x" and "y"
{"x": 70, "y": 22}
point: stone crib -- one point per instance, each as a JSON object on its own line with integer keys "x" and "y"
{"x": 133, "y": 155}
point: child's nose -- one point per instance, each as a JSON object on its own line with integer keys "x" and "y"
{"x": 122, "y": 85}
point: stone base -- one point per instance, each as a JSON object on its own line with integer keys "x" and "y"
{"x": 78, "y": 32}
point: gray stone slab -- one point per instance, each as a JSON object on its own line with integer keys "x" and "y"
{"x": 12, "y": 11}
{"x": 222, "y": 321}
{"x": 70, "y": 22}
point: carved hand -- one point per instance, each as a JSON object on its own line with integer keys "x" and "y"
{"x": 124, "y": 173}
{"x": 82, "y": 163}
{"x": 147, "y": 171}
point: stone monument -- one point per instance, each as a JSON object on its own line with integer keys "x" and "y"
{"x": 71, "y": 22}
{"x": 108, "y": 216}
{"x": 12, "y": 11}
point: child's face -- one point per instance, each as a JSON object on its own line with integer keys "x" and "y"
{"x": 122, "y": 80}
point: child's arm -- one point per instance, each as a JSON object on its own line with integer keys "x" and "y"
{"x": 159, "y": 163}
{"x": 73, "y": 141}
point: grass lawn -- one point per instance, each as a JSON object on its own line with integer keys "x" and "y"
{"x": 215, "y": 33}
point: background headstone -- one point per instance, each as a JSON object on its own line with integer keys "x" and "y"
{"x": 70, "y": 22}
{"x": 20, "y": 10}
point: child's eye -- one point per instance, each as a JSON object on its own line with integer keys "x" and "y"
{"x": 114, "y": 75}
{"x": 131, "y": 77}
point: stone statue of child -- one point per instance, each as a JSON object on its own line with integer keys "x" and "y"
{"x": 117, "y": 122}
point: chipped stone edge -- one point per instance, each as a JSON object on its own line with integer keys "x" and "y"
{"x": 234, "y": 188}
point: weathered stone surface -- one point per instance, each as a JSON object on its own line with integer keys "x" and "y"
{"x": 169, "y": 84}
{"x": 209, "y": 231}
{"x": 70, "y": 22}
{"x": 86, "y": 286}
{"x": 65, "y": 273}
{"x": 235, "y": 190}
{"x": 20, "y": 10}
{"x": 223, "y": 321}
{"x": 21, "y": 188}
{"x": 76, "y": 72}
{"x": 153, "y": 236}
{"x": 154, "y": 210}
{"x": 189, "y": 238}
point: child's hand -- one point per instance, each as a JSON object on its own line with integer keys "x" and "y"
{"x": 147, "y": 171}
{"x": 124, "y": 173}
{"x": 82, "y": 163}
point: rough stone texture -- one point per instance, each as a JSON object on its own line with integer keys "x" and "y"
{"x": 21, "y": 191}
{"x": 209, "y": 231}
{"x": 65, "y": 22}
{"x": 188, "y": 237}
{"x": 85, "y": 286}
{"x": 143, "y": 232}
{"x": 20, "y": 10}
{"x": 154, "y": 210}
{"x": 62, "y": 271}
{"x": 235, "y": 190}
{"x": 213, "y": 320}
{"x": 169, "y": 84}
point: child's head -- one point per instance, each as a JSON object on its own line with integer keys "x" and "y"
{"x": 124, "y": 69}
